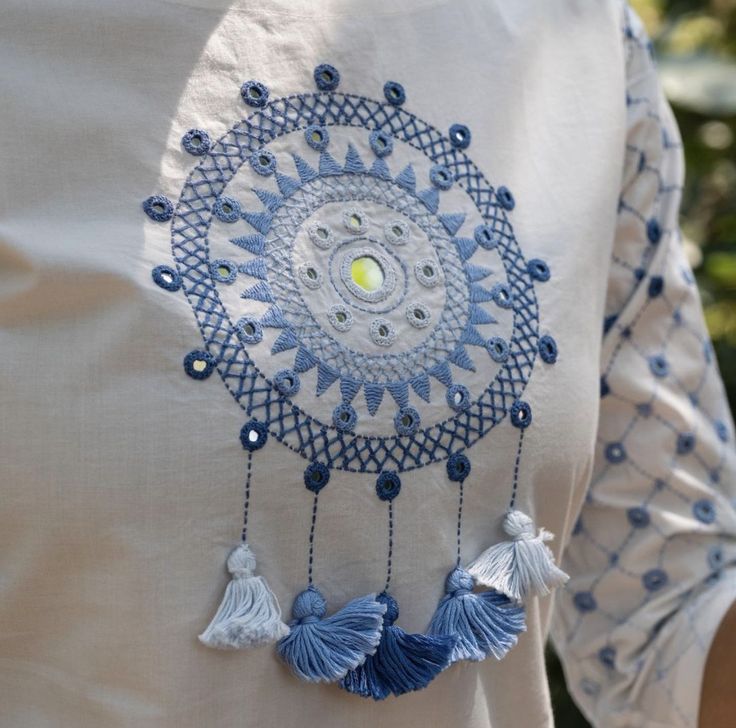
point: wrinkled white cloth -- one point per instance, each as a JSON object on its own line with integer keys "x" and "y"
{"x": 122, "y": 478}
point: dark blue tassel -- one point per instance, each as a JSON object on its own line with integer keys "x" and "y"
{"x": 324, "y": 650}
{"x": 486, "y": 623}
{"x": 402, "y": 663}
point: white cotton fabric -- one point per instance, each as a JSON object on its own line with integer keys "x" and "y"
{"x": 122, "y": 478}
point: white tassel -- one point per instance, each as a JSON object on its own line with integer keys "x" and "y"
{"x": 522, "y": 566}
{"x": 249, "y": 614}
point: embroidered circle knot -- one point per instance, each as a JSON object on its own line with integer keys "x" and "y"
{"x": 392, "y": 608}
{"x": 309, "y": 606}
{"x": 241, "y": 563}
{"x": 458, "y": 582}
{"x": 518, "y": 525}
{"x": 388, "y": 485}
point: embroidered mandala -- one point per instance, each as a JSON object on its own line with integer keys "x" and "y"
{"x": 361, "y": 293}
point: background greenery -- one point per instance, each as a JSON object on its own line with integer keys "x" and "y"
{"x": 695, "y": 41}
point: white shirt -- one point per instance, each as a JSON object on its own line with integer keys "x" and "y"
{"x": 123, "y": 478}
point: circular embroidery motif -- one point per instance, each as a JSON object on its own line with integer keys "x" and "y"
{"x": 375, "y": 262}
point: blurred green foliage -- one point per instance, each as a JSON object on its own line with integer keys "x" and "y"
{"x": 695, "y": 41}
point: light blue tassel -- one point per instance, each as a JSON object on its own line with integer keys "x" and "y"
{"x": 486, "y": 623}
{"x": 402, "y": 663}
{"x": 324, "y": 650}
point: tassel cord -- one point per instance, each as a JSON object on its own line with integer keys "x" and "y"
{"x": 312, "y": 528}
{"x": 246, "y": 497}
{"x": 515, "y": 484}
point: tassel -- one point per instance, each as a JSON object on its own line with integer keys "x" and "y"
{"x": 522, "y": 566}
{"x": 402, "y": 663}
{"x": 483, "y": 623}
{"x": 249, "y": 614}
{"x": 324, "y": 650}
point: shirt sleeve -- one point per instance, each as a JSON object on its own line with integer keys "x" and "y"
{"x": 652, "y": 557}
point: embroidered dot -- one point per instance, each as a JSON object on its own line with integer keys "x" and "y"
{"x": 441, "y": 177}
{"x": 326, "y": 77}
{"x": 316, "y": 476}
{"x": 394, "y": 93}
{"x": 605, "y": 389}
{"x": 521, "y": 414}
{"x": 501, "y": 295}
{"x": 607, "y": 656}
{"x": 460, "y": 136}
{"x": 644, "y": 409}
{"x": 249, "y": 330}
{"x": 639, "y": 273}
{"x": 407, "y": 421}
{"x": 418, "y": 315}
{"x": 355, "y": 220}
{"x": 548, "y": 349}
{"x": 638, "y": 517}
{"x": 388, "y": 485}
{"x": 721, "y": 430}
{"x": 704, "y": 510}
{"x": 196, "y": 142}
{"x": 344, "y": 417}
{"x": 166, "y": 277}
{"x": 485, "y": 238}
{"x": 340, "y": 317}
{"x": 584, "y": 601}
{"x": 226, "y": 209}
{"x": 254, "y": 94}
{"x": 654, "y": 231}
{"x": 538, "y": 270}
{"x": 381, "y": 143}
{"x": 223, "y": 271}
{"x": 458, "y": 467}
{"x": 656, "y": 286}
{"x": 382, "y": 332}
{"x": 498, "y": 349}
{"x": 396, "y": 232}
{"x": 263, "y": 162}
{"x": 158, "y": 208}
{"x": 615, "y": 452}
{"x": 199, "y": 364}
{"x": 286, "y": 382}
{"x": 427, "y": 272}
{"x": 715, "y": 557}
{"x": 309, "y": 276}
{"x": 589, "y": 687}
{"x": 685, "y": 443}
{"x": 654, "y": 579}
{"x": 321, "y": 235}
{"x": 505, "y": 198}
{"x": 253, "y": 435}
{"x": 658, "y": 365}
{"x": 317, "y": 137}
{"x": 458, "y": 397}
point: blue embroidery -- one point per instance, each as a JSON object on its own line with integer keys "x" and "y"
{"x": 459, "y": 135}
{"x": 538, "y": 270}
{"x": 326, "y": 77}
{"x": 287, "y": 382}
{"x": 615, "y": 452}
{"x": 548, "y": 349}
{"x": 505, "y": 198}
{"x": 654, "y": 579}
{"x": 196, "y": 142}
{"x": 263, "y": 162}
{"x": 250, "y": 330}
{"x": 158, "y": 208}
{"x": 638, "y": 517}
{"x": 318, "y": 137}
{"x": 254, "y": 94}
{"x": 498, "y": 348}
{"x": 388, "y": 485}
{"x": 394, "y": 93}
{"x": 253, "y": 435}
{"x": 166, "y": 277}
{"x": 584, "y": 601}
{"x": 381, "y": 143}
{"x": 704, "y": 511}
{"x": 199, "y": 364}
{"x": 316, "y": 476}
{"x": 226, "y": 209}
{"x": 521, "y": 414}
{"x": 223, "y": 271}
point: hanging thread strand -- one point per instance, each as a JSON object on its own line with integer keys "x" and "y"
{"x": 246, "y": 497}
{"x": 515, "y": 484}
{"x": 312, "y": 528}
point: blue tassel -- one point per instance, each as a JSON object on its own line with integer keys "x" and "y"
{"x": 484, "y": 623}
{"x": 324, "y": 650}
{"x": 402, "y": 663}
